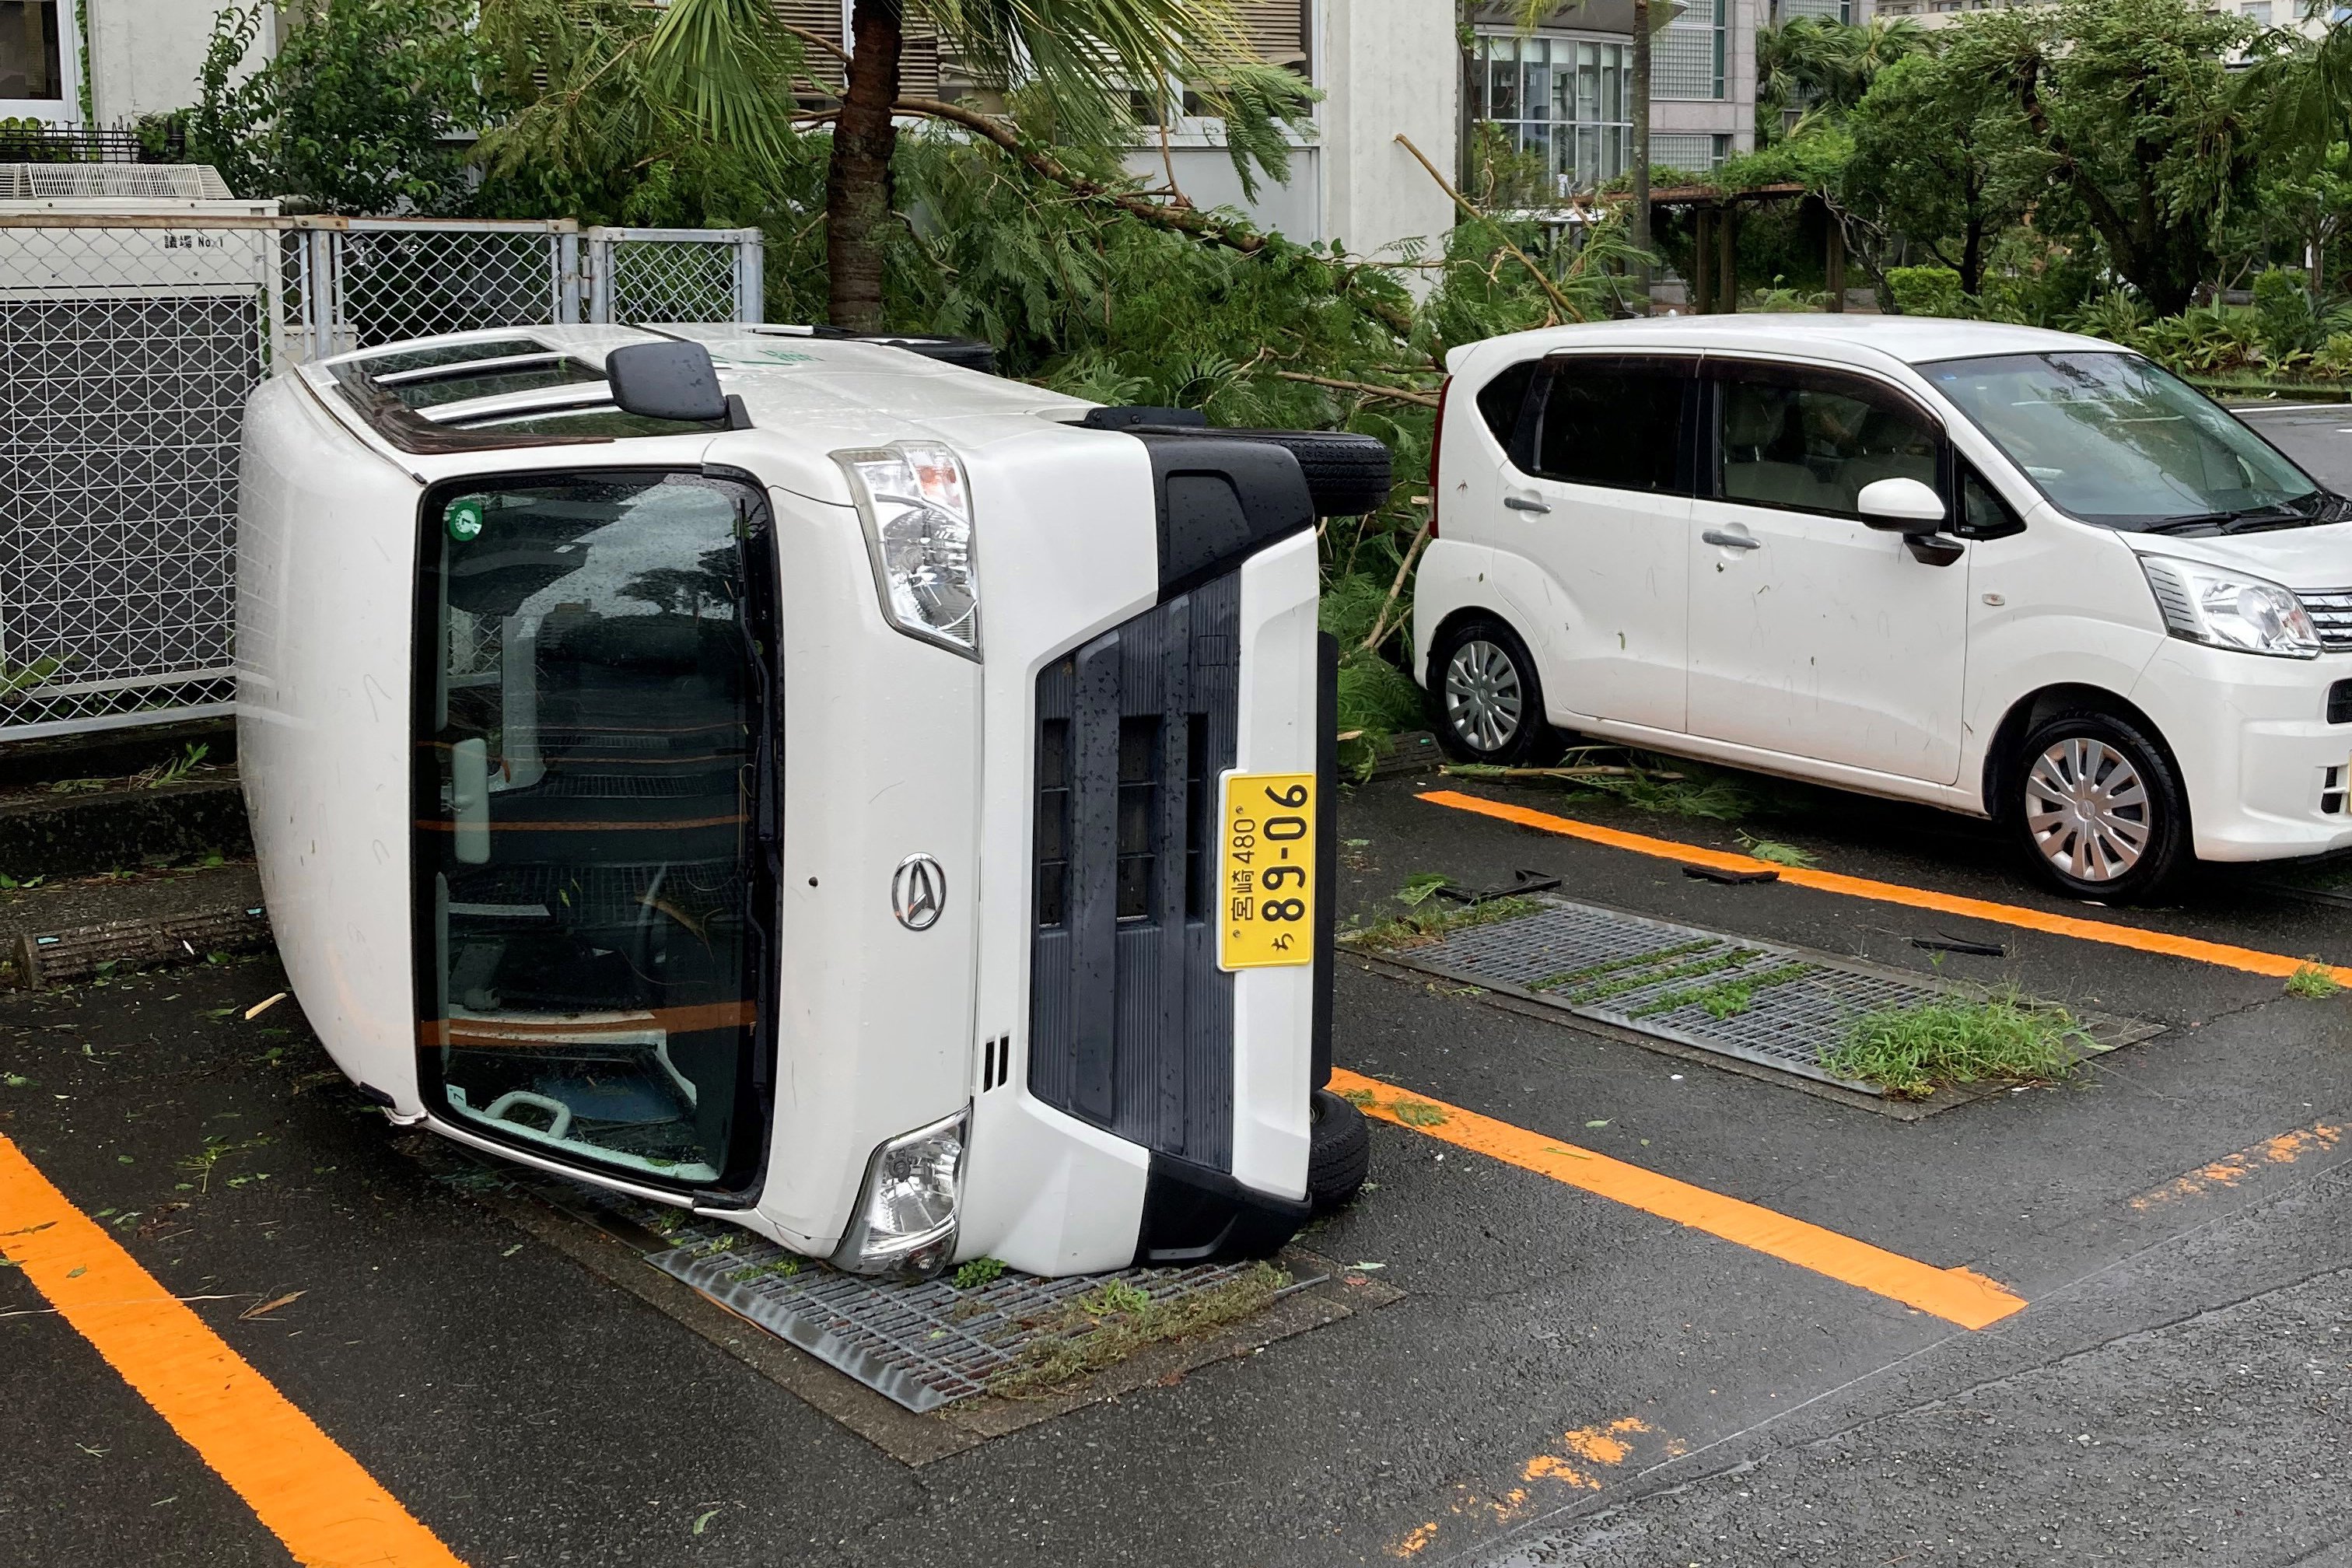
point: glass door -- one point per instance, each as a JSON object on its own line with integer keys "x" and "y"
{"x": 595, "y": 820}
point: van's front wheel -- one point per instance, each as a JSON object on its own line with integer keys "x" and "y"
{"x": 1489, "y": 701}
{"x": 2098, "y": 806}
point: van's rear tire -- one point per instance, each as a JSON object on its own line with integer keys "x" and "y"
{"x": 1486, "y": 699}
{"x": 1338, "y": 1152}
{"x": 2098, "y": 806}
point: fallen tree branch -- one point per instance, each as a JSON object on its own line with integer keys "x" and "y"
{"x": 1543, "y": 279}
{"x": 1381, "y": 627}
{"x": 1182, "y": 220}
{"x": 1370, "y": 389}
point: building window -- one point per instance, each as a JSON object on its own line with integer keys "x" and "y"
{"x": 1827, "y": 10}
{"x": 1561, "y": 99}
{"x": 32, "y": 53}
{"x": 1698, "y": 153}
{"x": 2257, "y": 12}
{"x": 1686, "y": 59}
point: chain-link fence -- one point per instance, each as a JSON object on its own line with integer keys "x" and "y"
{"x": 674, "y": 275}
{"x": 128, "y": 348}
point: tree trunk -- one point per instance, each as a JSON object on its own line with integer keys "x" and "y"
{"x": 857, "y": 180}
{"x": 1972, "y": 255}
{"x": 1638, "y": 91}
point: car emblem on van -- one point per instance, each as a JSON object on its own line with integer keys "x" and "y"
{"x": 919, "y": 892}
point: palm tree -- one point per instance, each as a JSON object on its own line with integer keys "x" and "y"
{"x": 1081, "y": 62}
{"x": 1822, "y": 68}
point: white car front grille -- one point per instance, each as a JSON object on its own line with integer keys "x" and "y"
{"x": 2331, "y": 612}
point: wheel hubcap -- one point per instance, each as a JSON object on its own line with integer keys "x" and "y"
{"x": 1482, "y": 700}
{"x": 2088, "y": 809}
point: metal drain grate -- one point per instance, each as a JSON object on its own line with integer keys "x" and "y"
{"x": 923, "y": 1343}
{"x": 1778, "y": 1006}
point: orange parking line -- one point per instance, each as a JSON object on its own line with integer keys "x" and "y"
{"x": 1955, "y": 1295}
{"x": 2215, "y": 952}
{"x": 312, "y": 1496}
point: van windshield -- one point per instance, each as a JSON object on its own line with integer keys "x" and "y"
{"x": 2111, "y": 438}
{"x": 593, "y": 708}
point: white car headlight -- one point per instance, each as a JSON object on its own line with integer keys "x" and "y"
{"x": 918, "y": 514}
{"x": 905, "y": 1221}
{"x": 2229, "y": 609}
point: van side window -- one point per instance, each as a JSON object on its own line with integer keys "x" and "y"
{"x": 1499, "y": 400}
{"x": 1614, "y": 422}
{"x": 1983, "y": 514}
{"x": 1811, "y": 444}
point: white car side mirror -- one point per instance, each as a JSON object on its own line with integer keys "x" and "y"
{"x": 1900, "y": 506}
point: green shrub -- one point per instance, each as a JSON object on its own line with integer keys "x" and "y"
{"x": 1931, "y": 291}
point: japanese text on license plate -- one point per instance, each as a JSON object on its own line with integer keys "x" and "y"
{"x": 1267, "y": 871}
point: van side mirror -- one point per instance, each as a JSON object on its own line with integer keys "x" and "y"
{"x": 1900, "y": 506}
{"x": 665, "y": 380}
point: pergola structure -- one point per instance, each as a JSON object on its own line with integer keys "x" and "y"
{"x": 1715, "y": 282}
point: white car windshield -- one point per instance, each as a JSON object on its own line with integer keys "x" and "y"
{"x": 2111, "y": 438}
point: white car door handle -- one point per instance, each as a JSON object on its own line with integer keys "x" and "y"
{"x": 1731, "y": 540}
{"x": 1525, "y": 503}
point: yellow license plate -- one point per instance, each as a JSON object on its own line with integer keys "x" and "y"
{"x": 1267, "y": 871}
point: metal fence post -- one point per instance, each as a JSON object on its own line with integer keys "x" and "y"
{"x": 567, "y": 279}
{"x": 750, "y": 277}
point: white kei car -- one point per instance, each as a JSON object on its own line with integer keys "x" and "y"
{"x": 2017, "y": 574}
{"x": 879, "y": 805}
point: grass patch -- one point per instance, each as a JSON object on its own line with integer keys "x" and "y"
{"x": 2312, "y": 983}
{"x": 782, "y": 1268}
{"x": 1724, "y": 998}
{"x": 1417, "y": 1112}
{"x": 1116, "y": 1319}
{"x": 1420, "y": 927}
{"x": 1911, "y": 1052}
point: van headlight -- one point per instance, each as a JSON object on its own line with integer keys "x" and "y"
{"x": 904, "y": 1222}
{"x": 2230, "y": 609}
{"x": 918, "y": 514}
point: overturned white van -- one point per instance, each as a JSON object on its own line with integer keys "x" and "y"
{"x": 879, "y": 804}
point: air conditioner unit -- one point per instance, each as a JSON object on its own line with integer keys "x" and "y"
{"x": 134, "y": 321}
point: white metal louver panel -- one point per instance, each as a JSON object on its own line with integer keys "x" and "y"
{"x": 111, "y": 182}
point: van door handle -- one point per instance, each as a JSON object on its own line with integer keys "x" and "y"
{"x": 1731, "y": 540}
{"x": 1525, "y": 503}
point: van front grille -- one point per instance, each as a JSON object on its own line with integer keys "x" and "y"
{"x": 2331, "y": 613}
{"x": 1130, "y": 1019}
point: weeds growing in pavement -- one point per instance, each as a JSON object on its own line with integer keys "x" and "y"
{"x": 1911, "y": 1052}
{"x": 2312, "y": 981}
{"x": 973, "y": 1273}
{"x": 1116, "y": 1319}
{"x": 1724, "y": 998}
{"x": 1420, "y": 927}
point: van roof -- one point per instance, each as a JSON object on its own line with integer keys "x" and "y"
{"x": 1857, "y": 337}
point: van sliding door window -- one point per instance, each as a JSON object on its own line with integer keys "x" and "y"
{"x": 593, "y": 819}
